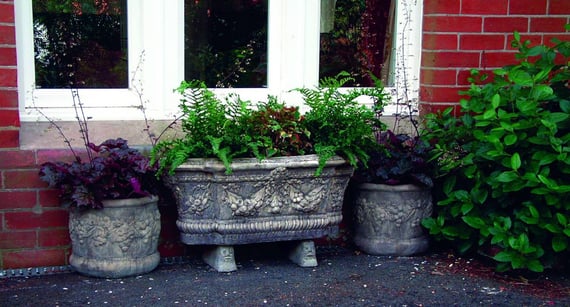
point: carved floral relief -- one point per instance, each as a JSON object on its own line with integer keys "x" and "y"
{"x": 94, "y": 232}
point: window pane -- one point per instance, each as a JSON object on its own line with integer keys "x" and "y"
{"x": 353, "y": 39}
{"x": 80, "y": 44}
{"x": 226, "y": 42}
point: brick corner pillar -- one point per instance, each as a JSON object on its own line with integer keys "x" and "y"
{"x": 9, "y": 115}
{"x": 461, "y": 35}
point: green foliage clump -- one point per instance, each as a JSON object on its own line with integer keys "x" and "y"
{"x": 230, "y": 128}
{"x": 336, "y": 124}
{"x": 505, "y": 162}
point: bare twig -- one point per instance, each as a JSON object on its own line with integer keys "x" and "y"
{"x": 52, "y": 122}
{"x": 402, "y": 75}
{"x": 81, "y": 121}
{"x": 142, "y": 101}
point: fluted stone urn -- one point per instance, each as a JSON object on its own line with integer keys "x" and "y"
{"x": 278, "y": 199}
{"x": 387, "y": 218}
{"x": 117, "y": 241}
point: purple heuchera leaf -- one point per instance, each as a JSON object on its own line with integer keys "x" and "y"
{"x": 136, "y": 186}
{"x": 398, "y": 159}
{"x": 115, "y": 172}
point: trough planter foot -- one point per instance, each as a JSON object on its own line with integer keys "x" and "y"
{"x": 221, "y": 258}
{"x": 304, "y": 254}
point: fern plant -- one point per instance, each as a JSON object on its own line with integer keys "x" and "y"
{"x": 336, "y": 124}
{"x": 209, "y": 125}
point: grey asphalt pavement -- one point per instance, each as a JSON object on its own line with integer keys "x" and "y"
{"x": 344, "y": 277}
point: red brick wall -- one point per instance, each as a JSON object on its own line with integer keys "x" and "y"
{"x": 33, "y": 229}
{"x": 458, "y": 35}
{"x": 462, "y": 34}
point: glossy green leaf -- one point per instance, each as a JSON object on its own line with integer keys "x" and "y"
{"x": 466, "y": 208}
{"x": 507, "y": 176}
{"x": 510, "y": 139}
{"x": 503, "y": 256}
{"x": 544, "y": 157}
{"x": 553, "y": 228}
{"x": 535, "y": 266}
{"x": 515, "y": 161}
{"x": 449, "y": 184}
{"x": 517, "y": 262}
{"x": 541, "y": 92}
{"x": 529, "y": 219}
{"x": 562, "y": 219}
{"x": 479, "y": 195}
{"x": 489, "y": 114}
{"x": 496, "y": 101}
{"x": 526, "y": 107}
{"x": 559, "y": 243}
{"x": 565, "y": 105}
{"x": 533, "y": 211}
{"x": 521, "y": 77}
{"x": 542, "y": 75}
{"x": 557, "y": 117}
{"x": 551, "y": 184}
{"x": 536, "y": 50}
{"x": 450, "y": 231}
{"x": 429, "y": 223}
{"x": 517, "y": 35}
{"x": 474, "y": 222}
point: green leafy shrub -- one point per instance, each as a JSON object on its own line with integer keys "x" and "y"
{"x": 505, "y": 162}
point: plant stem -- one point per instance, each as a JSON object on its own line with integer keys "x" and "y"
{"x": 81, "y": 121}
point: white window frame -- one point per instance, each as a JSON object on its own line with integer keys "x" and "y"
{"x": 155, "y": 28}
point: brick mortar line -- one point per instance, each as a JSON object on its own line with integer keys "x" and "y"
{"x": 545, "y": 15}
{"x": 493, "y": 33}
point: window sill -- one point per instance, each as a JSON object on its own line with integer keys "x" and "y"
{"x": 42, "y": 135}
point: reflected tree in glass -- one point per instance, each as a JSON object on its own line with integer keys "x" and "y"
{"x": 358, "y": 41}
{"x": 81, "y": 44}
{"x": 226, "y": 42}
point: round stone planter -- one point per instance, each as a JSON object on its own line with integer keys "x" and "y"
{"x": 278, "y": 199}
{"x": 387, "y": 218}
{"x": 117, "y": 241}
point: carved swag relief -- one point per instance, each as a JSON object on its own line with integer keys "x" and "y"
{"x": 275, "y": 193}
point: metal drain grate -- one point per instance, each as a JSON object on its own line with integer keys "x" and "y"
{"x": 35, "y": 271}
{"x": 40, "y": 271}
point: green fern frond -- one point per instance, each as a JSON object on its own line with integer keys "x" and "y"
{"x": 336, "y": 124}
{"x": 324, "y": 153}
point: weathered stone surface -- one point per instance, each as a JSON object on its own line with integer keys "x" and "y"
{"x": 387, "y": 219}
{"x": 117, "y": 241}
{"x": 304, "y": 254}
{"x": 278, "y": 199}
{"x": 221, "y": 258}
